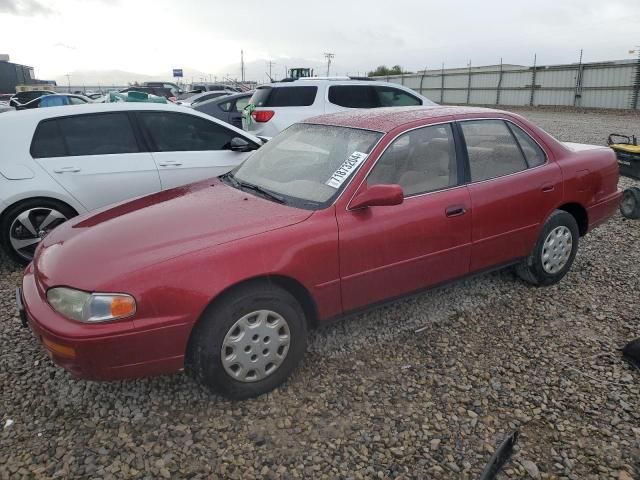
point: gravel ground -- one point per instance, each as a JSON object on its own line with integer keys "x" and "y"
{"x": 374, "y": 398}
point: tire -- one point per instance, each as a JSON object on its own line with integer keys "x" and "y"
{"x": 209, "y": 350}
{"x": 39, "y": 212}
{"x": 630, "y": 205}
{"x": 552, "y": 255}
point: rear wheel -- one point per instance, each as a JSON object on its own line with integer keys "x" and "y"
{"x": 25, "y": 225}
{"x": 630, "y": 205}
{"x": 248, "y": 342}
{"x": 554, "y": 251}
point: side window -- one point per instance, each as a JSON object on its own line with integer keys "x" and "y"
{"x": 76, "y": 101}
{"x": 493, "y": 151}
{"x": 354, "y": 96}
{"x": 47, "y": 141}
{"x": 241, "y": 103}
{"x": 532, "y": 151}
{"x": 98, "y": 134}
{"x": 394, "y": 97}
{"x": 226, "y": 106}
{"x": 292, "y": 97}
{"x": 176, "y": 132}
{"x": 420, "y": 161}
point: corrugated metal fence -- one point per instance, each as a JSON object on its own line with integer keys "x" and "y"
{"x": 595, "y": 85}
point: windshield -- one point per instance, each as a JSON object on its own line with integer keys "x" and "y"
{"x": 308, "y": 165}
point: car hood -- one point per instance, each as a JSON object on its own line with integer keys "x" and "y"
{"x": 93, "y": 249}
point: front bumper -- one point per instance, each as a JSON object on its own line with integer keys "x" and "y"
{"x": 105, "y": 351}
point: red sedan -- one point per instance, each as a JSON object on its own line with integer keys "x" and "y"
{"x": 225, "y": 277}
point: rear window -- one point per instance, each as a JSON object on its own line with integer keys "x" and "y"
{"x": 95, "y": 134}
{"x": 284, "y": 96}
{"x": 47, "y": 141}
{"x": 98, "y": 134}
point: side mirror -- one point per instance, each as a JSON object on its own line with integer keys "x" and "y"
{"x": 238, "y": 144}
{"x": 378, "y": 196}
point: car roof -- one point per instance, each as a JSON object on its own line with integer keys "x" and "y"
{"x": 37, "y": 114}
{"x": 388, "y": 118}
{"x": 327, "y": 81}
{"x": 20, "y": 123}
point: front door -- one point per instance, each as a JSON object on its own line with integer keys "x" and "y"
{"x": 389, "y": 251}
{"x": 188, "y": 148}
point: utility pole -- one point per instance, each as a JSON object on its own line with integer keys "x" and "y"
{"x": 271, "y": 64}
{"x": 635, "y": 97}
{"x": 578, "y": 91}
{"x": 329, "y": 57}
{"x": 68, "y": 82}
{"x": 469, "y": 84}
{"x": 242, "y": 65}
{"x": 499, "y": 86}
{"x": 533, "y": 79}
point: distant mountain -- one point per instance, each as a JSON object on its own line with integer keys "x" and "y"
{"x": 119, "y": 77}
{"x": 256, "y": 70}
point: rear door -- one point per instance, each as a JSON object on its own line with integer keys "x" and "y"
{"x": 188, "y": 148}
{"x": 513, "y": 187}
{"x": 95, "y": 157}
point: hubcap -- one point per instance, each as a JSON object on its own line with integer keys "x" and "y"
{"x": 30, "y": 227}
{"x": 557, "y": 249}
{"x": 255, "y": 346}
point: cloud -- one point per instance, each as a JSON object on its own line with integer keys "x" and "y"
{"x": 64, "y": 45}
{"x": 25, "y": 8}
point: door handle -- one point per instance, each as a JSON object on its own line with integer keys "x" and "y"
{"x": 66, "y": 170}
{"x": 455, "y": 210}
{"x": 548, "y": 188}
{"x": 170, "y": 163}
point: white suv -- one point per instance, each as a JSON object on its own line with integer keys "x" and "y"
{"x": 276, "y": 106}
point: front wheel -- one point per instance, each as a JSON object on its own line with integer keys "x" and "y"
{"x": 27, "y": 223}
{"x": 248, "y": 342}
{"x": 554, "y": 251}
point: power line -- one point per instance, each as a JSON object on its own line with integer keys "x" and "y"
{"x": 329, "y": 57}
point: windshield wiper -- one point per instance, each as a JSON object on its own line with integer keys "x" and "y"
{"x": 229, "y": 176}
{"x": 250, "y": 186}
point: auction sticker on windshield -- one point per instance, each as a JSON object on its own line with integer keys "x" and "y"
{"x": 346, "y": 169}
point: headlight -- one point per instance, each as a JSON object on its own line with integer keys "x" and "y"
{"x": 90, "y": 307}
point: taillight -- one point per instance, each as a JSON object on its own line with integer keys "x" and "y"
{"x": 172, "y": 99}
{"x": 262, "y": 116}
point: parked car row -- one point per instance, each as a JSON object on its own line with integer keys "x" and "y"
{"x": 224, "y": 277}
{"x": 228, "y": 108}
{"x": 59, "y": 162}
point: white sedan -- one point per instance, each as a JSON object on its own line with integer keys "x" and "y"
{"x": 56, "y": 163}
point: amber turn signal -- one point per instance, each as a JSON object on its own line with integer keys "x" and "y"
{"x": 122, "y": 306}
{"x": 58, "y": 349}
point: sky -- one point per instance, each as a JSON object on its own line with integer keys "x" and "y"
{"x": 154, "y": 36}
